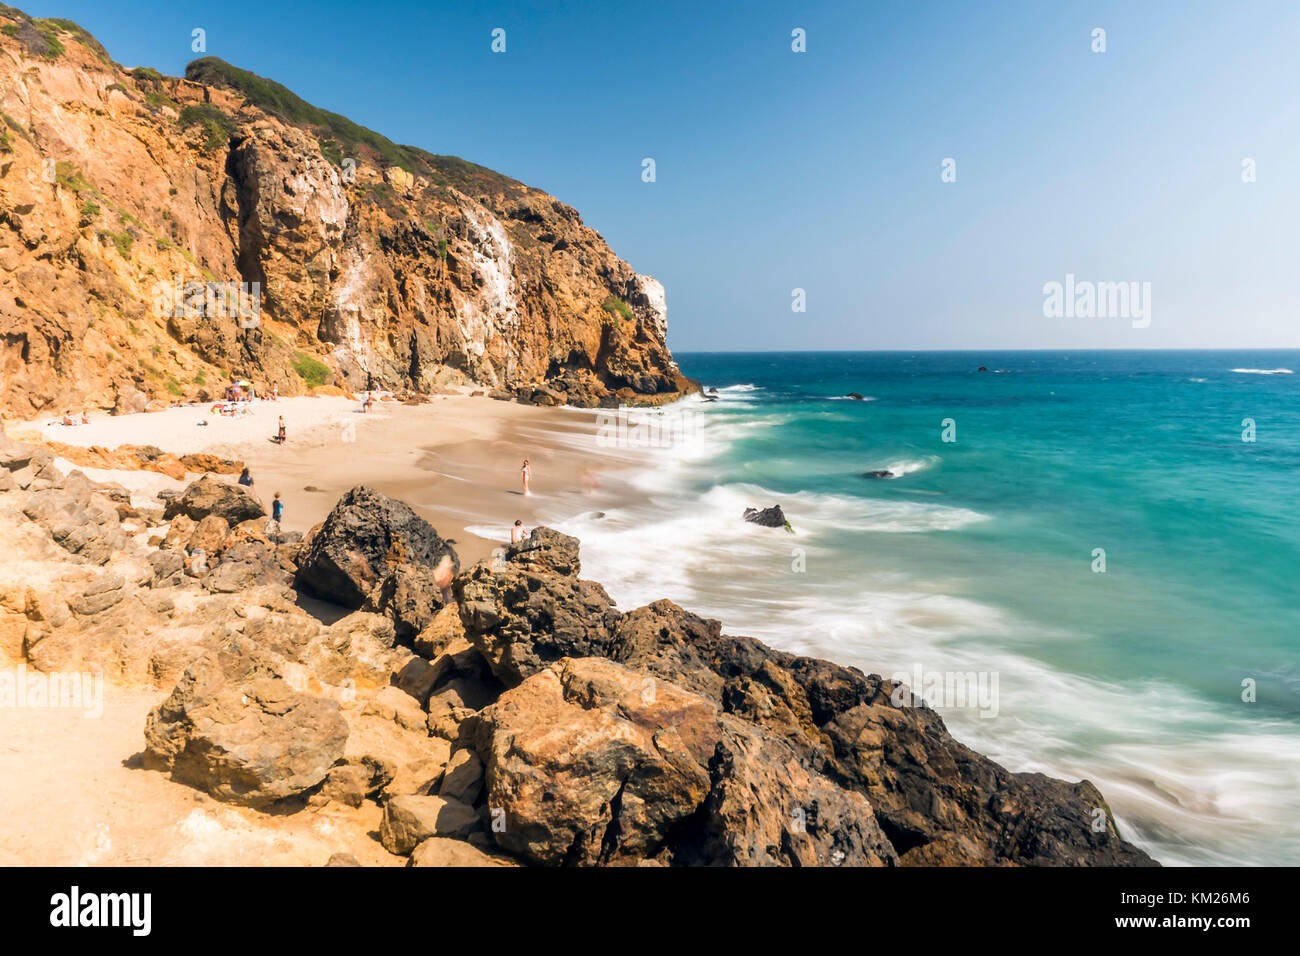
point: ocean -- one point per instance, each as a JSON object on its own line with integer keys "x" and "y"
{"x": 1087, "y": 561}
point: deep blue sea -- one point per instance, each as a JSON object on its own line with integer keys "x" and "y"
{"x": 1170, "y": 678}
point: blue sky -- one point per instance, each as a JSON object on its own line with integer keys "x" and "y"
{"x": 821, "y": 170}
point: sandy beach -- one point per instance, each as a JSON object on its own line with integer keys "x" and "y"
{"x": 456, "y": 460}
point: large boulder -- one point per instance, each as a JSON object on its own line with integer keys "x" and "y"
{"x": 212, "y": 496}
{"x": 129, "y": 401}
{"x": 79, "y": 516}
{"x": 365, "y": 538}
{"x": 546, "y": 551}
{"x": 235, "y": 728}
{"x": 591, "y": 763}
{"x": 412, "y": 596}
{"x": 522, "y": 622}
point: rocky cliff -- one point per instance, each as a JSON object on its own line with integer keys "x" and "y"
{"x": 158, "y": 234}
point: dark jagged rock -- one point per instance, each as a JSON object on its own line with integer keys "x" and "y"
{"x": 882, "y": 473}
{"x": 590, "y": 764}
{"x": 772, "y": 517}
{"x": 521, "y": 621}
{"x": 212, "y": 496}
{"x": 546, "y": 550}
{"x": 411, "y": 596}
{"x": 856, "y": 396}
{"x": 936, "y": 800}
{"x": 365, "y": 538}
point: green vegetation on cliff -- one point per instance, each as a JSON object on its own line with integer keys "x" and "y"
{"x": 341, "y": 138}
{"x": 310, "y": 370}
{"x": 617, "y": 308}
{"x": 218, "y": 125}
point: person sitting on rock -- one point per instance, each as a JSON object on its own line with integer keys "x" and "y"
{"x": 518, "y": 532}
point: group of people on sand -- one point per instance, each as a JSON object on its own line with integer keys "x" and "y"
{"x": 69, "y": 420}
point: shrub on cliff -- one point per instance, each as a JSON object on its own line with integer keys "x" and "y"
{"x": 310, "y": 370}
{"x": 617, "y": 308}
{"x": 216, "y": 123}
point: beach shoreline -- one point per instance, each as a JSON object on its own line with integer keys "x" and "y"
{"x": 455, "y": 459}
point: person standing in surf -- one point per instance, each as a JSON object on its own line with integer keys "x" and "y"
{"x": 526, "y": 473}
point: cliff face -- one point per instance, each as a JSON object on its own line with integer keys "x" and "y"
{"x": 132, "y": 203}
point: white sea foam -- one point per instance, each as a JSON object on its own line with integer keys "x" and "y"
{"x": 1263, "y": 371}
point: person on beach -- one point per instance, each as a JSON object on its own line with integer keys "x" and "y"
{"x": 370, "y": 400}
{"x": 275, "y": 393}
{"x": 280, "y": 437}
{"x": 246, "y": 479}
{"x": 277, "y": 515}
{"x": 518, "y": 532}
{"x": 526, "y": 473}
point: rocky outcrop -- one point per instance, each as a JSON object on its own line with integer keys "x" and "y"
{"x": 360, "y": 262}
{"x": 934, "y": 799}
{"x": 367, "y": 538}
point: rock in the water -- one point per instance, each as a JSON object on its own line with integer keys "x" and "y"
{"x": 856, "y": 396}
{"x": 365, "y": 538}
{"x": 212, "y": 496}
{"x": 546, "y": 550}
{"x": 236, "y": 729}
{"x": 772, "y": 517}
{"x": 881, "y": 473}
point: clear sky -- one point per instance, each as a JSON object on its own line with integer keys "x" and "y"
{"x": 821, "y": 170}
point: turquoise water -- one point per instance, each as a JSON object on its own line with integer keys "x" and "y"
{"x": 981, "y": 558}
